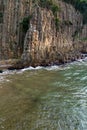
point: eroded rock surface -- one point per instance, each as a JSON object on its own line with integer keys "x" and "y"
{"x": 28, "y": 32}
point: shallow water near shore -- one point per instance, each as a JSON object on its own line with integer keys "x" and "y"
{"x": 51, "y": 98}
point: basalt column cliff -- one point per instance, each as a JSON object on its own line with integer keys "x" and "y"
{"x": 41, "y": 33}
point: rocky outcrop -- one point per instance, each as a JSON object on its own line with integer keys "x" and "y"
{"x": 35, "y": 36}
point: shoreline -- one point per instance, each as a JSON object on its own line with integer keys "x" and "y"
{"x": 15, "y": 64}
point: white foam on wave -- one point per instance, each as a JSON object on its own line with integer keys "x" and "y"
{"x": 6, "y": 72}
{"x": 84, "y": 78}
{"x": 32, "y": 68}
{"x": 55, "y": 67}
{"x": 75, "y": 74}
{"x": 81, "y": 93}
{"x": 80, "y": 60}
{"x": 1, "y": 78}
{"x": 29, "y": 68}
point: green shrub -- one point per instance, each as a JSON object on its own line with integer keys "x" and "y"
{"x": 46, "y": 3}
{"x": 49, "y": 4}
{"x": 84, "y": 39}
{"x": 55, "y": 9}
{"x": 57, "y": 23}
{"x": 1, "y": 14}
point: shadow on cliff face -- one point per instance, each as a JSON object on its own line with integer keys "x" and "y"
{"x": 23, "y": 28}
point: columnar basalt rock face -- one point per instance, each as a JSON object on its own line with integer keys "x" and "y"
{"x": 42, "y": 43}
{"x": 10, "y": 33}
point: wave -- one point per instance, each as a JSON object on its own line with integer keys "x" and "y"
{"x": 32, "y": 68}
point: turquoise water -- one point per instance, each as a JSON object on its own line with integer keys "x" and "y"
{"x": 52, "y": 98}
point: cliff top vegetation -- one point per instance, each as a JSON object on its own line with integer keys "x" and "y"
{"x": 80, "y": 5}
